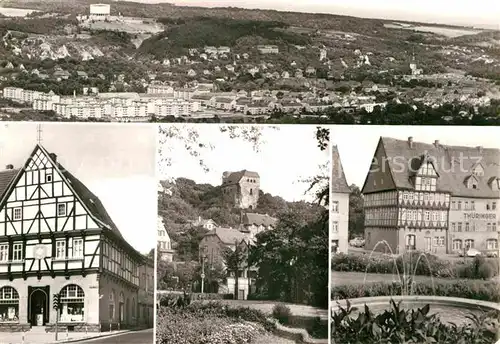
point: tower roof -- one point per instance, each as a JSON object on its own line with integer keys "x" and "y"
{"x": 339, "y": 182}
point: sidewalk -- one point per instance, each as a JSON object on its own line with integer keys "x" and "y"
{"x": 49, "y": 338}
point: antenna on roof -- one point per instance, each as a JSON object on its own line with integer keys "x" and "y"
{"x": 39, "y": 132}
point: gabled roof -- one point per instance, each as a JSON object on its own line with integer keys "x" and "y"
{"x": 258, "y": 219}
{"x": 339, "y": 183}
{"x": 89, "y": 201}
{"x": 228, "y": 236}
{"x": 6, "y": 178}
{"x": 235, "y": 177}
{"x": 453, "y": 164}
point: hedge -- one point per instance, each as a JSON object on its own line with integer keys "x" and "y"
{"x": 477, "y": 268}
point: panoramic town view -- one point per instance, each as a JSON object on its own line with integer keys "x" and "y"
{"x": 71, "y": 269}
{"x": 415, "y": 235}
{"x": 243, "y": 235}
{"x": 127, "y": 62}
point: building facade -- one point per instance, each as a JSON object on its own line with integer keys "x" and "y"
{"x": 146, "y": 297}
{"x": 212, "y": 248}
{"x": 241, "y": 188}
{"x": 431, "y": 197}
{"x": 253, "y": 224}
{"x": 57, "y": 238}
{"x": 339, "y": 215}
{"x": 164, "y": 243}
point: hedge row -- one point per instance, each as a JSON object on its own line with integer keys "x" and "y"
{"x": 477, "y": 268}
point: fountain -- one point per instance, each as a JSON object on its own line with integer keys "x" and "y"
{"x": 451, "y": 309}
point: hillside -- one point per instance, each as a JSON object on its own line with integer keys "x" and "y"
{"x": 189, "y": 201}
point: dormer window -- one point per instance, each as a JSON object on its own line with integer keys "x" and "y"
{"x": 471, "y": 182}
{"x": 478, "y": 170}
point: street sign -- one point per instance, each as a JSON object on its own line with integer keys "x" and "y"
{"x": 202, "y": 275}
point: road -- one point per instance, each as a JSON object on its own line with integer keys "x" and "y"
{"x": 134, "y": 337}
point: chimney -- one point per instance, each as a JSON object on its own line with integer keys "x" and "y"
{"x": 436, "y": 143}
{"x": 480, "y": 149}
{"x": 53, "y": 156}
{"x": 410, "y": 141}
{"x": 9, "y": 167}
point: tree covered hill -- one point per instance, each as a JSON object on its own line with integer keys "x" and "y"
{"x": 196, "y": 32}
{"x": 189, "y": 200}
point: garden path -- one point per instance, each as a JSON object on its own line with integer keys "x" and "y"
{"x": 267, "y": 307}
{"x": 270, "y": 338}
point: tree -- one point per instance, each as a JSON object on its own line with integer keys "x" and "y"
{"x": 356, "y": 212}
{"x": 236, "y": 261}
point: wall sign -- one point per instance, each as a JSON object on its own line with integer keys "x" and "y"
{"x": 480, "y": 216}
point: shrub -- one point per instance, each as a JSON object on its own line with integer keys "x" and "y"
{"x": 397, "y": 325}
{"x": 477, "y": 290}
{"x": 187, "y": 327}
{"x": 282, "y": 313}
{"x": 428, "y": 264}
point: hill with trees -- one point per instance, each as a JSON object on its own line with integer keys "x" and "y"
{"x": 186, "y": 201}
{"x": 198, "y": 32}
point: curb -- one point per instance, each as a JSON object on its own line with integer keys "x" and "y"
{"x": 298, "y": 335}
{"x": 90, "y": 338}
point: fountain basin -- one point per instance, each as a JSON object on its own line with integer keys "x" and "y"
{"x": 449, "y": 309}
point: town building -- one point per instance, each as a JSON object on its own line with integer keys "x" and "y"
{"x": 146, "y": 297}
{"x": 268, "y": 49}
{"x": 241, "y": 189}
{"x": 208, "y": 224}
{"x": 99, "y": 12}
{"x": 212, "y": 248}
{"x": 339, "y": 215}
{"x": 253, "y": 224}
{"x": 56, "y": 237}
{"x": 165, "y": 251}
{"x": 432, "y": 197}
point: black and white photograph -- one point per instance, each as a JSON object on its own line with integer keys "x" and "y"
{"x": 77, "y": 233}
{"x": 415, "y": 239}
{"x": 427, "y": 62}
{"x": 243, "y": 234}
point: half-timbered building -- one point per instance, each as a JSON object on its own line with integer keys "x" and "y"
{"x": 56, "y": 237}
{"x": 431, "y": 197}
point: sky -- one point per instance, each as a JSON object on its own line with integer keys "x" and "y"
{"x": 116, "y": 162}
{"x": 468, "y": 12}
{"x": 357, "y": 145}
{"x": 286, "y": 157}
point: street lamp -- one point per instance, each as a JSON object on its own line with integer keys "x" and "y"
{"x": 203, "y": 257}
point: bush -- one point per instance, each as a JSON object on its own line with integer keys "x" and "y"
{"x": 174, "y": 327}
{"x": 428, "y": 264}
{"x": 282, "y": 313}
{"x": 477, "y": 290}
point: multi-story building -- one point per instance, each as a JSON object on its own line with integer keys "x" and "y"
{"x": 164, "y": 243}
{"x": 56, "y": 237}
{"x": 268, "y": 49}
{"x": 339, "y": 215}
{"x": 241, "y": 188}
{"x": 431, "y": 197}
{"x": 156, "y": 88}
{"x": 212, "y": 248}
{"x": 146, "y": 297}
{"x": 253, "y": 224}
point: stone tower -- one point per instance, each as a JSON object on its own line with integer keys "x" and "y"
{"x": 241, "y": 189}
